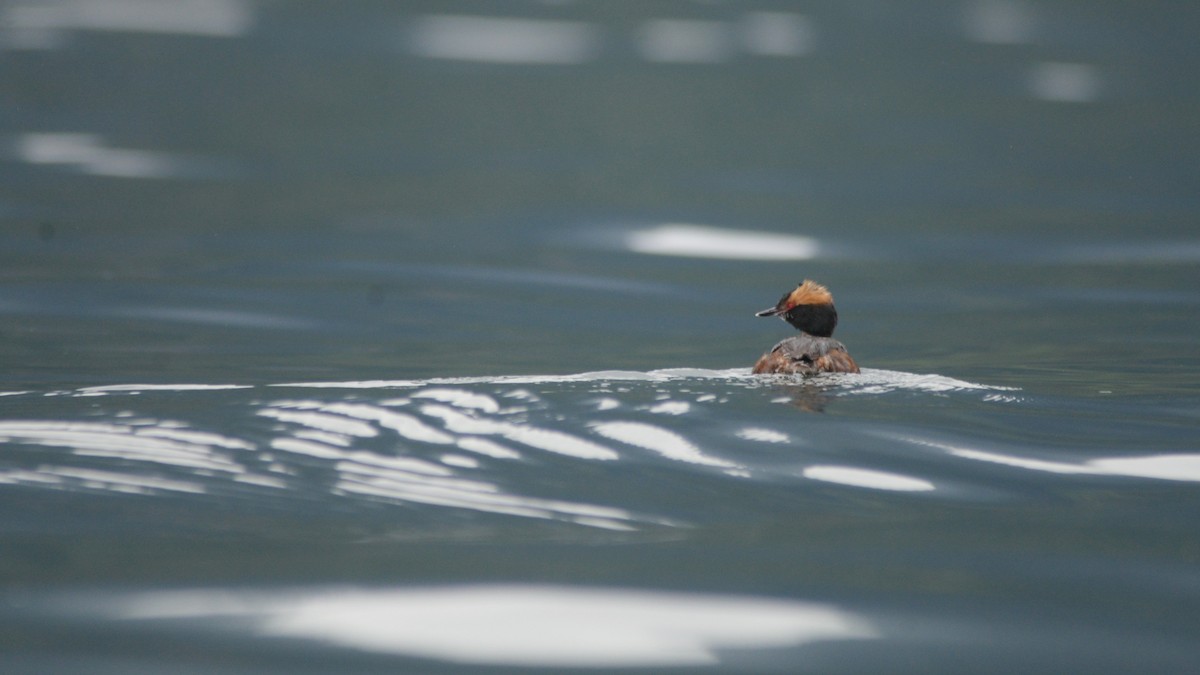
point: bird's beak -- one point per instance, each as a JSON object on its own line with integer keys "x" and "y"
{"x": 774, "y": 311}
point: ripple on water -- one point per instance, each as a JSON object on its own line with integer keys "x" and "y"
{"x": 539, "y": 447}
{"x": 489, "y": 624}
{"x": 662, "y": 441}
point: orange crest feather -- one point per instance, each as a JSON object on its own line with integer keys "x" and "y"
{"x": 809, "y": 293}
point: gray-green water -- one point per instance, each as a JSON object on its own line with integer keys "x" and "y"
{"x": 368, "y": 338}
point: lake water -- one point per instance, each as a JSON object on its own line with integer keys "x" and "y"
{"x": 351, "y": 337}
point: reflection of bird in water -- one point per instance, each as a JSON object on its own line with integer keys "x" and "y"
{"x": 810, "y": 310}
{"x": 806, "y": 396}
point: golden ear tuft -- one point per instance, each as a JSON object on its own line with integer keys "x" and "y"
{"x": 810, "y": 293}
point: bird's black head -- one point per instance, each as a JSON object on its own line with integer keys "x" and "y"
{"x": 809, "y": 309}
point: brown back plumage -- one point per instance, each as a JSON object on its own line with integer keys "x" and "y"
{"x": 806, "y": 355}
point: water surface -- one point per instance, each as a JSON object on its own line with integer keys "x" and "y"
{"x": 372, "y": 339}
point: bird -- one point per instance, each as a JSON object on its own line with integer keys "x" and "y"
{"x": 809, "y": 308}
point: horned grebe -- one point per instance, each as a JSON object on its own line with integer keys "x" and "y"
{"x": 810, "y": 310}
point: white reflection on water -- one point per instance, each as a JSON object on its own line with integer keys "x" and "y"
{"x": 1180, "y": 467}
{"x": 702, "y": 241}
{"x": 1184, "y": 467}
{"x": 777, "y": 34}
{"x": 1174, "y": 466}
{"x": 1065, "y": 82}
{"x": 517, "y": 625}
{"x": 662, "y": 441}
{"x": 869, "y": 381}
{"x": 763, "y": 435}
{"x": 483, "y": 446}
{"x": 1022, "y": 462}
{"x": 139, "y": 388}
{"x": 686, "y": 41}
{"x": 325, "y": 431}
{"x": 877, "y": 381}
{"x": 337, "y": 424}
{"x": 150, "y": 443}
{"x": 440, "y": 442}
{"x": 867, "y": 478}
{"x": 461, "y": 461}
{"x": 999, "y": 22}
{"x": 89, "y": 154}
{"x": 661, "y": 375}
{"x": 550, "y": 440}
{"x": 69, "y": 477}
{"x": 669, "y": 408}
{"x": 461, "y": 398}
{"x": 150, "y": 456}
{"x": 663, "y": 40}
{"x": 43, "y": 24}
{"x": 503, "y": 40}
{"x": 143, "y": 452}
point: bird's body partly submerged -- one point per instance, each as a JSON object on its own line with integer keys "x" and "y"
{"x": 809, "y": 309}
{"x": 806, "y": 355}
